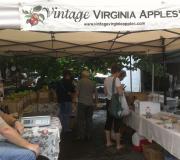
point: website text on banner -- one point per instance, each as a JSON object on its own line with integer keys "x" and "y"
{"x": 58, "y": 17}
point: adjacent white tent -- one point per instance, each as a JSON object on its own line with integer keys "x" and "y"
{"x": 77, "y": 44}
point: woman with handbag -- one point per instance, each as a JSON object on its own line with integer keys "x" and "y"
{"x": 112, "y": 122}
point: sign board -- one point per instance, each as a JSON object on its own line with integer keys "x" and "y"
{"x": 65, "y": 17}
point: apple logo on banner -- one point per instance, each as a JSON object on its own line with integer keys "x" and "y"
{"x": 34, "y": 16}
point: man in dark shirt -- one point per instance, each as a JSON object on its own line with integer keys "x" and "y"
{"x": 65, "y": 90}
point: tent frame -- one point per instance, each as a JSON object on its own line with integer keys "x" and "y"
{"x": 94, "y": 50}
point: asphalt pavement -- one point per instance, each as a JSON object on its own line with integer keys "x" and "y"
{"x": 94, "y": 149}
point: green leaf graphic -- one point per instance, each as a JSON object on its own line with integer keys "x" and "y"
{"x": 42, "y": 16}
{"x": 25, "y": 12}
{"x": 41, "y": 21}
{"x": 28, "y": 16}
{"x": 37, "y": 8}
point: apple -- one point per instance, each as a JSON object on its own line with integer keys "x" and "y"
{"x": 33, "y": 21}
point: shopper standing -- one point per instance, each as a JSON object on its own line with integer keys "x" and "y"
{"x": 65, "y": 90}
{"x": 112, "y": 123}
{"x": 87, "y": 96}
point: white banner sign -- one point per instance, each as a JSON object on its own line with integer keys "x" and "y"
{"x": 57, "y": 17}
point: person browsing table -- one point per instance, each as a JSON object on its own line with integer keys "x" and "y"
{"x": 112, "y": 123}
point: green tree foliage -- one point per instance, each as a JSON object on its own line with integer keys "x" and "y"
{"x": 94, "y": 65}
{"x": 53, "y": 68}
{"x": 45, "y": 66}
{"x": 145, "y": 63}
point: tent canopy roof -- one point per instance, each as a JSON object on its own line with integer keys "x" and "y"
{"x": 16, "y": 42}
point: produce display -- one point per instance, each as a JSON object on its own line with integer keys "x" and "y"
{"x": 17, "y": 96}
{"x": 166, "y": 117}
{"x": 15, "y": 102}
{"x": 18, "y": 101}
{"x": 168, "y": 120}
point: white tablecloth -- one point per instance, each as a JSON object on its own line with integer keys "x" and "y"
{"x": 167, "y": 138}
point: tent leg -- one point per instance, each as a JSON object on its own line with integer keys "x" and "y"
{"x": 130, "y": 72}
{"x": 153, "y": 78}
{"x": 164, "y": 66}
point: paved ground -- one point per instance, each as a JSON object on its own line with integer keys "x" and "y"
{"x": 95, "y": 149}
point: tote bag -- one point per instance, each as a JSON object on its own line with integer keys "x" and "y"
{"x": 115, "y": 107}
{"x": 125, "y": 106}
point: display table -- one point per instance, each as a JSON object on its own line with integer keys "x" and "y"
{"x": 47, "y": 137}
{"x": 169, "y": 139}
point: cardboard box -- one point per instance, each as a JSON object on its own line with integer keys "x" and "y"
{"x": 33, "y": 97}
{"x": 43, "y": 97}
{"x": 131, "y": 97}
{"x": 141, "y": 107}
{"x": 14, "y": 106}
{"x": 52, "y": 96}
{"x": 153, "y": 152}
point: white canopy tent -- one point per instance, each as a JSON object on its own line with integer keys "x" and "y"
{"x": 15, "y": 42}
{"x": 77, "y": 44}
{"x": 154, "y": 39}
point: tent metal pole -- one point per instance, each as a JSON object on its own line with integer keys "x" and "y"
{"x": 17, "y": 74}
{"x": 164, "y": 66}
{"x": 136, "y": 44}
{"x": 152, "y": 78}
{"x": 130, "y": 73}
{"x": 174, "y": 40}
{"x": 167, "y": 30}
